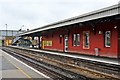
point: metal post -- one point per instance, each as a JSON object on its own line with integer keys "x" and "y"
{"x": 6, "y": 30}
{"x": 21, "y": 27}
{"x": 6, "y": 35}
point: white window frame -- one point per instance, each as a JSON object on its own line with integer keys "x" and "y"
{"x": 84, "y": 41}
{"x": 76, "y": 37}
{"x": 106, "y": 40}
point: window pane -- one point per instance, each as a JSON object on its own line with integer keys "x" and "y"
{"x": 78, "y": 39}
{"x": 107, "y": 38}
{"x": 74, "y": 39}
{"x": 86, "y": 39}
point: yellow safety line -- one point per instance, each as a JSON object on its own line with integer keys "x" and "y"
{"x": 21, "y": 70}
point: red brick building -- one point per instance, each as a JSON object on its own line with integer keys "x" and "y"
{"x": 95, "y": 33}
{"x": 85, "y": 39}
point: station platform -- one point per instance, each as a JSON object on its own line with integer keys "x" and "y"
{"x": 13, "y": 69}
{"x": 106, "y": 60}
{"x": 112, "y": 61}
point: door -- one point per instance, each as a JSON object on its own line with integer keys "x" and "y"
{"x": 65, "y": 43}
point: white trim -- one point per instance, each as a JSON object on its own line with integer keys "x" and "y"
{"x": 66, "y": 43}
{"x": 76, "y": 37}
{"x": 101, "y": 13}
{"x": 106, "y": 39}
{"x": 84, "y": 32}
{"x": 71, "y": 55}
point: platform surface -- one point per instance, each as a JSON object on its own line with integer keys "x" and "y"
{"x": 79, "y": 56}
{"x": 12, "y": 68}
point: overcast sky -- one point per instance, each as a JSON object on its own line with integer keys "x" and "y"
{"x": 36, "y": 13}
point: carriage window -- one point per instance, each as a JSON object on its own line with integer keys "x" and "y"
{"x": 107, "y": 38}
{"x": 86, "y": 39}
{"x": 76, "y": 39}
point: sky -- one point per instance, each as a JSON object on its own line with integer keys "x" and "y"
{"x": 30, "y": 14}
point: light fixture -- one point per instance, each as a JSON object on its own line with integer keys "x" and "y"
{"x": 60, "y": 35}
{"x": 100, "y": 32}
{"x": 115, "y": 27}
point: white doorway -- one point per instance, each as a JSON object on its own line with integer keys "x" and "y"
{"x": 65, "y": 43}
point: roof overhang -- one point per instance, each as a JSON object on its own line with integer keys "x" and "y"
{"x": 105, "y": 12}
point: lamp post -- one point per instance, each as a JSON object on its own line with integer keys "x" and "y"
{"x": 6, "y": 35}
{"x": 6, "y": 30}
{"x": 21, "y": 27}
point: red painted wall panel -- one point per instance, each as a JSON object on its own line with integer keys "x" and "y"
{"x": 118, "y": 40}
{"x": 56, "y": 45}
{"x": 96, "y": 40}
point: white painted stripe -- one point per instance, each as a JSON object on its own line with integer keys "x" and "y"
{"x": 80, "y": 57}
{"x": 73, "y": 56}
{"x": 28, "y": 66}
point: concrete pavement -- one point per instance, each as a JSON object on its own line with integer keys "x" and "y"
{"x": 11, "y": 67}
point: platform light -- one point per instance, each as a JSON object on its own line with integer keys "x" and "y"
{"x": 80, "y": 24}
{"x": 115, "y": 27}
{"x": 60, "y": 35}
{"x": 100, "y": 32}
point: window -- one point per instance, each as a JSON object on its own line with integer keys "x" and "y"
{"x": 86, "y": 39}
{"x": 3, "y": 33}
{"x": 47, "y": 43}
{"x": 9, "y": 33}
{"x": 107, "y": 39}
{"x": 76, "y": 39}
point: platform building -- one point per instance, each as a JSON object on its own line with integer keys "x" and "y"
{"x": 95, "y": 33}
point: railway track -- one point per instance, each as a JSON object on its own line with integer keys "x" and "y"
{"x": 54, "y": 72}
{"x": 69, "y": 68}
